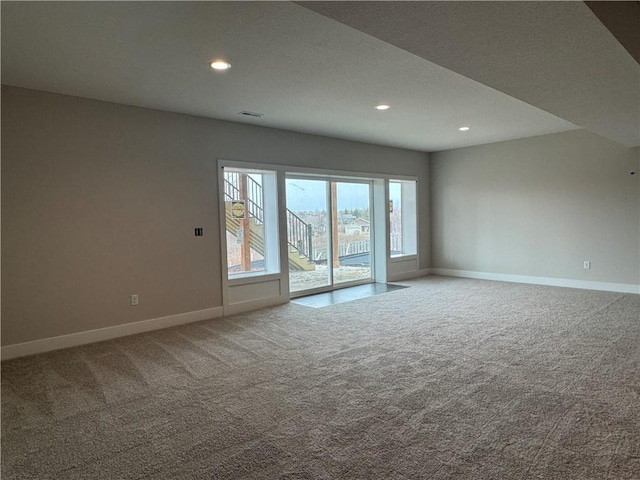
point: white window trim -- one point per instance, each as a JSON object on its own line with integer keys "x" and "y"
{"x": 378, "y": 206}
{"x": 247, "y": 278}
{"x": 403, "y": 257}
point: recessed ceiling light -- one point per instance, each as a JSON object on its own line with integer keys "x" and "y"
{"x": 383, "y": 107}
{"x": 220, "y": 65}
{"x": 464, "y": 129}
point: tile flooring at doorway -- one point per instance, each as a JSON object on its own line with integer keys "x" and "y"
{"x": 320, "y": 300}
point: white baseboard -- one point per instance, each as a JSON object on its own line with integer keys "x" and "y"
{"x": 555, "y": 282}
{"x": 398, "y": 277}
{"x": 108, "y": 333}
{"x": 249, "y": 306}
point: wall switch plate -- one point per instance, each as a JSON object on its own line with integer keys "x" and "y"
{"x": 134, "y": 299}
{"x": 587, "y": 265}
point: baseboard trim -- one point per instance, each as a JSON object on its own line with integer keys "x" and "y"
{"x": 249, "y": 306}
{"x": 398, "y": 277}
{"x": 107, "y": 333}
{"x": 91, "y": 336}
{"x": 554, "y": 282}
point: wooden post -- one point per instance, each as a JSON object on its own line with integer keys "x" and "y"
{"x": 334, "y": 224}
{"x": 245, "y": 249}
{"x": 310, "y": 243}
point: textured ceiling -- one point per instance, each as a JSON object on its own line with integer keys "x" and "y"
{"x": 305, "y": 72}
{"x": 555, "y": 55}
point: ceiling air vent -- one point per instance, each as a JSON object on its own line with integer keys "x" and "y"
{"x": 251, "y": 114}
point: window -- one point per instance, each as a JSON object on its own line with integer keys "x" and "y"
{"x": 403, "y": 217}
{"x": 251, "y": 222}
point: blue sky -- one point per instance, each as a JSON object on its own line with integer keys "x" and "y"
{"x": 310, "y": 195}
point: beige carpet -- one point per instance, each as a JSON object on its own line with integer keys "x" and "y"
{"x": 448, "y": 379}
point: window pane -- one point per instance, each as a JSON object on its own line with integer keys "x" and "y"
{"x": 248, "y": 206}
{"x": 395, "y": 217}
{"x": 308, "y": 229}
{"x": 352, "y": 258}
{"x": 402, "y": 217}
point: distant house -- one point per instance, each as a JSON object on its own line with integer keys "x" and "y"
{"x": 357, "y": 226}
{"x": 346, "y": 218}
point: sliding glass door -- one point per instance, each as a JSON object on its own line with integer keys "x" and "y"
{"x": 352, "y": 232}
{"x": 308, "y": 234}
{"x": 329, "y": 233}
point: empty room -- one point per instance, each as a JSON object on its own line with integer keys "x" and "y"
{"x": 320, "y": 240}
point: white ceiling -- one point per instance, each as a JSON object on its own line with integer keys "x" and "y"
{"x": 302, "y": 70}
{"x": 555, "y": 55}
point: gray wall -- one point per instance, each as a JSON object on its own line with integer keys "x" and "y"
{"x": 100, "y": 200}
{"x": 538, "y": 206}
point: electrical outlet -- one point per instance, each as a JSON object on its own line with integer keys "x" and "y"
{"x": 587, "y": 265}
{"x": 134, "y": 299}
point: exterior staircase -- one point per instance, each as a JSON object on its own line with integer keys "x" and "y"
{"x": 298, "y": 231}
{"x": 256, "y": 229}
